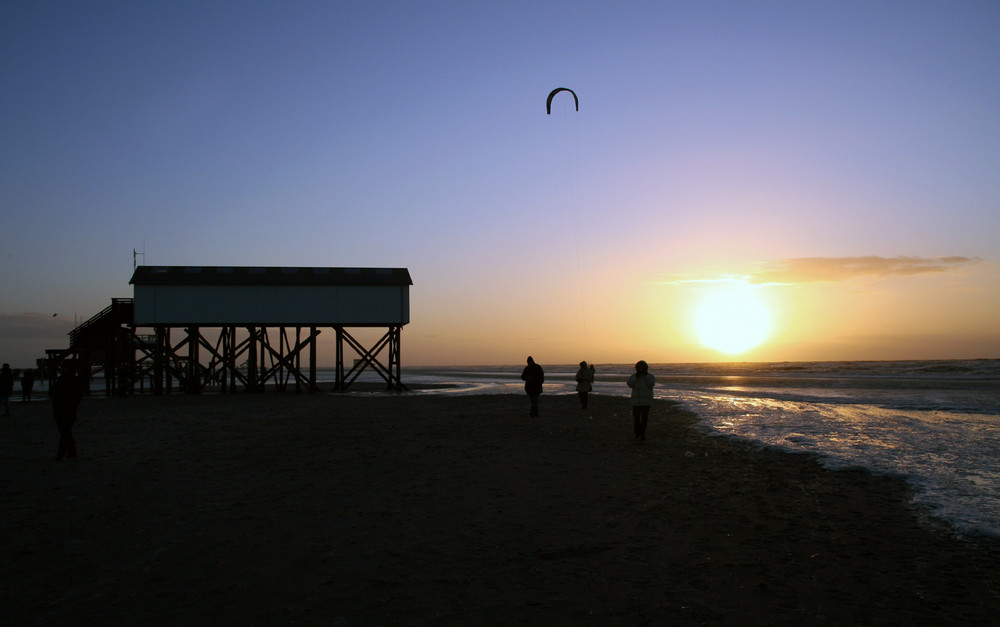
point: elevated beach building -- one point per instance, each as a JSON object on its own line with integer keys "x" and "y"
{"x": 245, "y": 327}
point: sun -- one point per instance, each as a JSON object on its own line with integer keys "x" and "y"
{"x": 732, "y": 319}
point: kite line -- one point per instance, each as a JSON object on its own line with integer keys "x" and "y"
{"x": 579, "y": 265}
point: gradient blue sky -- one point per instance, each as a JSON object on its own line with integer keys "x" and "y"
{"x": 851, "y": 147}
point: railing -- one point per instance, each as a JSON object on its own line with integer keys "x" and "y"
{"x": 94, "y": 321}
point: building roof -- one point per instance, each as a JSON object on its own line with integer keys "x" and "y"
{"x": 266, "y": 275}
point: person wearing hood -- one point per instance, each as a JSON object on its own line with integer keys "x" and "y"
{"x": 67, "y": 392}
{"x": 642, "y": 397}
{"x": 584, "y": 382}
{"x": 6, "y": 388}
{"x": 533, "y": 376}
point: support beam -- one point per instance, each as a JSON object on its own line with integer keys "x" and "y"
{"x": 159, "y": 356}
{"x": 390, "y": 373}
{"x": 312, "y": 359}
{"x": 204, "y": 361}
{"x": 194, "y": 379}
{"x": 339, "y": 384}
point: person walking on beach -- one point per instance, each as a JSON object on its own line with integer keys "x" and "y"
{"x": 642, "y": 397}
{"x": 533, "y": 376}
{"x": 27, "y": 384}
{"x": 67, "y": 392}
{"x": 6, "y": 388}
{"x": 584, "y": 382}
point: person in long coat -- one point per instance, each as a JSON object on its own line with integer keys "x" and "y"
{"x": 642, "y": 397}
{"x": 533, "y": 377}
{"x": 584, "y": 382}
{"x": 67, "y": 392}
{"x": 6, "y": 387}
{"x": 27, "y": 384}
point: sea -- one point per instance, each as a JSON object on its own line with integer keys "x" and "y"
{"x": 935, "y": 424}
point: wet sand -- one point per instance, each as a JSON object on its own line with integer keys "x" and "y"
{"x": 454, "y": 510}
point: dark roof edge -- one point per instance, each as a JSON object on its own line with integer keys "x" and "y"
{"x": 268, "y": 275}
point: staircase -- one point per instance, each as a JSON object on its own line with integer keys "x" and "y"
{"x": 103, "y": 328}
{"x": 101, "y": 344}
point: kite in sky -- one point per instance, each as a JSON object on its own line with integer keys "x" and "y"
{"x": 548, "y": 103}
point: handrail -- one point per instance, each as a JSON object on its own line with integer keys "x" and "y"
{"x": 100, "y": 317}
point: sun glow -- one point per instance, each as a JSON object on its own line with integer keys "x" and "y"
{"x": 732, "y": 319}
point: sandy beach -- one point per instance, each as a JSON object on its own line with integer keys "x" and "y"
{"x": 454, "y": 510}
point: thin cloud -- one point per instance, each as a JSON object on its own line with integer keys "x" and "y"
{"x": 829, "y": 269}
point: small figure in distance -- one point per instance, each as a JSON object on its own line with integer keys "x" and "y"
{"x": 642, "y": 397}
{"x": 6, "y": 388}
{"x": 584, "y": 382}
{"x": 533, "y": 376}
{"x": 67, "y": 392}
{"x": 27, "y": 384}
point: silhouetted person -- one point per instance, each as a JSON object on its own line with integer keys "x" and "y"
{"x": 642, "y": 397}
{"x": 533, "y": 377}
{"x": 6, "y": 388}
{"x": 584, "y": 382}
{"x": 27, "y": 384}
{"x": 66, "y": 394}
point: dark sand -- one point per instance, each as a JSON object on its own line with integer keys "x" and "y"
{"x": 398, "y": 510}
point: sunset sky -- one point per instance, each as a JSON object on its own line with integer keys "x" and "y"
{"x": 835, "y": 165}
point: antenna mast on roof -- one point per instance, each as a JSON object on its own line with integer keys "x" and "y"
{"x": 135, "y": 255}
